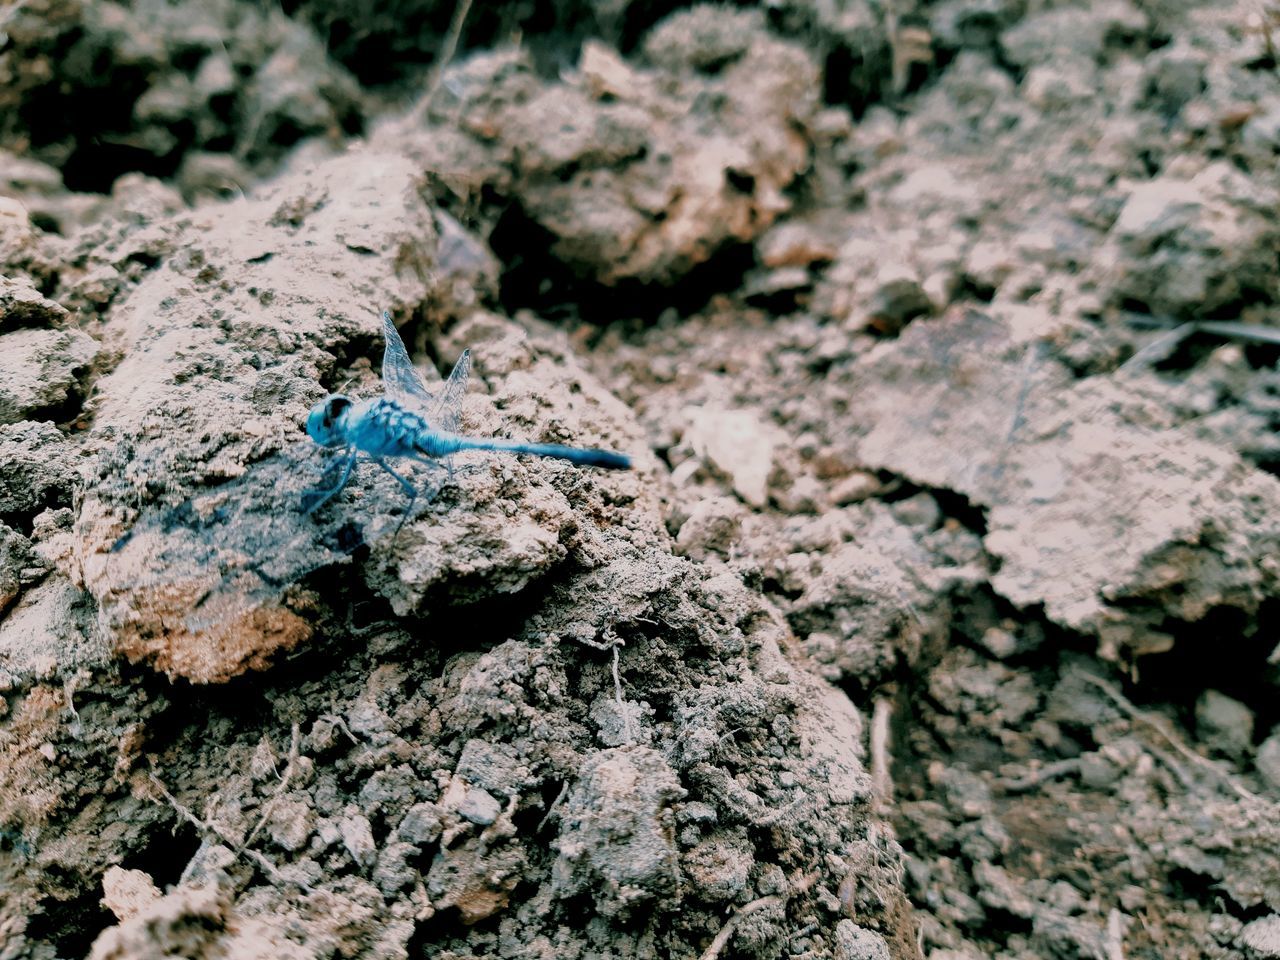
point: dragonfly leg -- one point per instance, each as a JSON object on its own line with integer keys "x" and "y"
{"x": 405, "y": 485}
{"x": 323, "y": 496}
{"x": 322, "y": 460}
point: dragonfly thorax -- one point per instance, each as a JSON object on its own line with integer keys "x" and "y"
{"x": 383, "y": 428}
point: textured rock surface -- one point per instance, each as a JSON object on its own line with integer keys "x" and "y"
{"x": 953, "y": 399}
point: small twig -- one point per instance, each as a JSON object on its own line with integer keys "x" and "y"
{"x": 1203, "y": 763}
{"x": 564, "y": 791}
{"x": 881, "y": 774}
{"x": 726, "y": 932}
{"x": 617, "y": 695}
{"x": 341, "y": 724}
{"x": 1180, "y": 772}
{"x": 1050, "y": 771}
{"x": 282, "y": 785}
{"x": 1114, "y": 943}
{"x": 1030, "y": 361}
{"x": 1157, "y": 348}
{"x": 613, "y": 643}
{"x": 776, "y": 814}
{"x": 1231, "y": 329}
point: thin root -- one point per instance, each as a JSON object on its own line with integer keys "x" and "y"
{"x": 1146, "y": 719}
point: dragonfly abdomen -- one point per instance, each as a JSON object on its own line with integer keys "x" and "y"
{"x": 433, "y": 443}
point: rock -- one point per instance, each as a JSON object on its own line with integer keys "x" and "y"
{"x": 479, "y": 807}
{"x": 1224, "y": 724}
{"x": 357, "y": 837}
{"x": 1268, "y": 760}
{"x": 126, "y": 893}
{"x": 738, "y": 445}
{"x": 857, "y": 943}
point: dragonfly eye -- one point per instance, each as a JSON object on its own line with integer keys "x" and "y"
{"x": 322, "y": 422}
{"x": 335, "y": 407}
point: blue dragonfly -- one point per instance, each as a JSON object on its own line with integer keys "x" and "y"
{"x": 410, "y": 422}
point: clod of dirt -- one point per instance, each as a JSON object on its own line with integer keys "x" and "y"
{"x": 617, "y": 839}
{"x": 1262, "y": 936}
{"x": 1224, "y": 724}
{"x": 22, "y": 305}
{"x": 40, "y": 370}
{"x": 1268, "y": 761}
{"x": 38, "y": 469}
{"x": 235, "y": 330}
{"x": 1194, "y": 246}
{"x": 103, "y": 90}
{"x": 855, "y": 943}
{"x": 738, "y": 444}
{"x": 126, "y": 893}
{"x": 194, "y": 922}
{"x": 1180, "y": 527}
{"x": 652, "y": 170}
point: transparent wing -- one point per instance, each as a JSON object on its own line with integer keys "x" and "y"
{"x": 445, "y": 410}
{"x": 442, "y": 408}
{"x": 400, "y": 380}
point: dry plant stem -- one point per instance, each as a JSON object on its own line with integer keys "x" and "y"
{"x": 555, "y": 805}
{"x": 1133, "y": 713}
{"x": 726, "y": 932}
{"x": 1030, "y": 362}
{"x": 614, "y": 643}
{"x": 617, "y": 694}
{"x": 1231, "y": 329}
{"x": 341, "y": 724}
{"x": 447, "y": 50}
{"x": 1157, "y": 348}
{"x": 253, "y": 856}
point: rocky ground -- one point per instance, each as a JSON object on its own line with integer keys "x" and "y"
{"x": 938, "y": 617}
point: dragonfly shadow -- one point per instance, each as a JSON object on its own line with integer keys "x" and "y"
{"x": 245, "y": 542}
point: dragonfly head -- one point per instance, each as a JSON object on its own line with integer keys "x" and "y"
{"x": 325, "y": 422}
